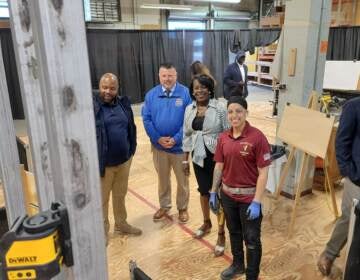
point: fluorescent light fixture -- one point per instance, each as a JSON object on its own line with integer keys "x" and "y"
{"x": 218, "y": 1}
{"x": 167, "y": 7}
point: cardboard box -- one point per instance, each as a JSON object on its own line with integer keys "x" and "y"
{"x": 276, "y": 20}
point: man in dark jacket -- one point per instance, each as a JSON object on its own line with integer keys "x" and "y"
{"x": 116, "y": 140}
{"x": 236, "y": 76}
{"x": 348, "y": 158}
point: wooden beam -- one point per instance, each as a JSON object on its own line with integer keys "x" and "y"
{"x": 300, "y": 184}
{"x": 9, "y": 159}
{"x": 284, "y": 173}
{"x": 28, "y": 70}
{"x": 338, "y": 13}
{"x": 4, "y": 24}
{"x": 59, "y": 39}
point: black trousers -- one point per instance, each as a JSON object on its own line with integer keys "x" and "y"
{"x": 243, "y": 230}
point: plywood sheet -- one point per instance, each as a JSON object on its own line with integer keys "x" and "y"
{"x": 305, "y": 129}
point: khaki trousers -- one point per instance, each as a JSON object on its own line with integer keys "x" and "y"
{"x": 115, "y": 182}
{"x": 163, "y": 162}
{"x": 340, "y": 233}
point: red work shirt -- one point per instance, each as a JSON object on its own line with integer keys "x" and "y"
{"x": 242, "y": 157}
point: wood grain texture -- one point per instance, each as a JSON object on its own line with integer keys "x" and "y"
{"x": 35, "y": 127}
{"x": 9, "y": 159}
{"x": 167, "y": 251}
{"x": 306, "y": 129}
{"x": 68, "y": 157}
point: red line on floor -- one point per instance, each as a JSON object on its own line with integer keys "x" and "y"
{"x": 182, "y": 226}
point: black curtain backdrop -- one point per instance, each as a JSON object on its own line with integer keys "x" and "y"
{"x": 210, "y": 47}
{"x": 344, "y": 43}
{"x": 248, "y": 39}
{"x": 135, "y": 55}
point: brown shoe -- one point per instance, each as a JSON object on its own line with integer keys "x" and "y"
{"x": 183, "y": 216}
{"x": 160, "y": 214}
{"x": 324, "y": 264}
{"x": 127, "y": 229}
{"x": 220, "y": 245}
{"x": 203, "y": 230}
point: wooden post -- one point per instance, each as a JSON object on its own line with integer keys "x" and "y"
{"x": 62, "y": 68}
{"x": 303, "y": 166}
{"x": 29, "y": 193}
{"x": 284, "y": 173}
{"x": 330, "y": 184}
{"x": 338, "y": 13}
{"x": 28, "y": 70}
{"x": 9, "y": 159}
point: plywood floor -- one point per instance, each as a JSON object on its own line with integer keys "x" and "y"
{"x": 166, "y": 249}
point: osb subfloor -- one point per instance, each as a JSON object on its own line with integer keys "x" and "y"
{"x": 166, "y": 250}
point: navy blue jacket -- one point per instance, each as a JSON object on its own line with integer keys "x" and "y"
{"x": 348, "y": 141}
{"x": 232, "y": 77}
{"x": 101, "y": 136}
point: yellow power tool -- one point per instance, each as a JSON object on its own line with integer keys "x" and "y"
{"x": 36, "y": 247}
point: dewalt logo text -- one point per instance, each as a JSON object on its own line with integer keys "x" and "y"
{"x": 21, "y": 260}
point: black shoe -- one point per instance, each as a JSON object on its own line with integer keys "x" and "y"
{"x": 232, "y": 271}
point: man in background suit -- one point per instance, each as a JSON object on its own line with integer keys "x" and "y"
{"x": 236, "y": 78}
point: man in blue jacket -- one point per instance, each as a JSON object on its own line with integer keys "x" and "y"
{"x": 163, "y": 116}
{"x": 348, "y": 158}
{"x": 236, "y": 77}
{"x": 116, "y": 141}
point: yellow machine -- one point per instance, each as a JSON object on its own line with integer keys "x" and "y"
{"x": 37, "y": 246}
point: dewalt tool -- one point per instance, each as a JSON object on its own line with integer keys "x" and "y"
{"x": 36, "y": 247}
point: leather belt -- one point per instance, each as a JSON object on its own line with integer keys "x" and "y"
{"x": 243, "y": 190}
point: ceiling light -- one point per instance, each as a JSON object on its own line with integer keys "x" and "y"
{"x": 167, "y": 7}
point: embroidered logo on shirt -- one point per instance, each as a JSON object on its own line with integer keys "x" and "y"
{"x": 245, "y": 148}
{"x": 179, "y": 102}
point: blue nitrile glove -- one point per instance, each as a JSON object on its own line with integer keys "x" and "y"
{"x": 253, "y": 211}
{"x": 214, "y": 203}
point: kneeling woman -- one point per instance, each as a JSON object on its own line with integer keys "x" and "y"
{"x": 242, "y": 162}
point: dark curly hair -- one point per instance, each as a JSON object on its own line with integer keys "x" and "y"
{"x": 206, "y": 81}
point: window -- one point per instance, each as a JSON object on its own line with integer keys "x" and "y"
{"x": 181, "y": 24}
{"x": 198, "y": 49}
{"x": 105, "y": 10}
{"x": 4, "y": 10}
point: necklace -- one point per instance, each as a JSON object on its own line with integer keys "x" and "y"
{"x": 201, "y": 111}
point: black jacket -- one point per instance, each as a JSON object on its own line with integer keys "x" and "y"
{"x": 232, "y": 77}
{"x": 348, "y": 141}
{"x": 101, "y": 136}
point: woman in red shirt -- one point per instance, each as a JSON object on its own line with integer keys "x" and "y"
{"x": 242, "y": 162}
